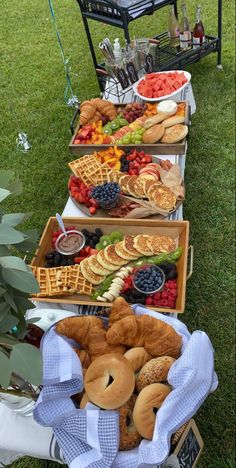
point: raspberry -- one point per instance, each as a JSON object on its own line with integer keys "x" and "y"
{"x": 149, "y": 300}
{"x": 157, "y": 296}
{"x": 164, "y": 302}
{"x": 164, "y": 295}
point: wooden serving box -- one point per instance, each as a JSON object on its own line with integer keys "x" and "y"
{"x": 175, "y": 229}
{"x": 157, "y": 148}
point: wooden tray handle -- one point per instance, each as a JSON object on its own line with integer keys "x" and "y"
{"x": 191, "y": 250}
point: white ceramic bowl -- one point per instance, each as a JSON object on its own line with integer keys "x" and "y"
{"x": 167, "y": 96}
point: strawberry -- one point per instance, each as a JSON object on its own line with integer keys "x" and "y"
{"x": 79, "y": 197}
{"x": 94, "y": 202}
{"x": 93, "y": 251}
{"x": 92, "y": 210}
{"x": 78, "y": 259}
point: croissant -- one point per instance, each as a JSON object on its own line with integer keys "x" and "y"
{"x": 98, "y": 344}
{"x": 84, "y": 356}
{"x": 157, "y": 337}
{"x": 120, "y": 309}
{"x": 105, "y": 108}
{"x": 77, "y": 328}
{"x": 87, "y": 111}
{"x": 96, "y": 117}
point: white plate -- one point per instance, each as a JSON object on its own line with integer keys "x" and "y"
{"x": 167, "y": 96}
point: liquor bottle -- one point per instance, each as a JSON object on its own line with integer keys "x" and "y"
{"x": 184, "y": 29}
{"x": 173, "y": 28}
{"x": 198, "y": 32}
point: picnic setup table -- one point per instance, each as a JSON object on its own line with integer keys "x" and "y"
{"x": 124, "y": 217}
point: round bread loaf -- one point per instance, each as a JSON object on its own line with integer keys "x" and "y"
{"x": 129, "y": 437}
{"x": 154, "y": 371}
{"x": 137, "y": 357}
{"x": 153, "y": 134}
{"x": 109, "y": 381}
{"x": 147, "y": 404}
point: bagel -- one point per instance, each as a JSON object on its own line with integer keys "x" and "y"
{"x": 154, "y": 371}
{"x": 84, "y": 400}
{"x": 148, "y": 402}
{"x": 129, "y": 437}
{"x": 137, "y": 357}
{"x": 109, "y": 381}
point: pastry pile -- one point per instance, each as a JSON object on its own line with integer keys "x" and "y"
{"x": 92, "y": 172}
{"x": 125, "y": 367}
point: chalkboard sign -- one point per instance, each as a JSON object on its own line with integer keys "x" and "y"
{"x": 122, "y": 78}
{"x": 189, "y": 446}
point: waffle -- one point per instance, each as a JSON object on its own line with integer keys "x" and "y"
{"x": 123, "y": 253}
{"x": 160, "y": 244}
{"x": 100, "y": 175}
{"x": 89, "y": 275}
{"x": 84, "y": 167}
{"x": 105, "y": 263}
{"x": 40, "y": 275}
{"x": 115, "y": 176}
{"x": 164, "y": 198}
{"x": 77, "y": 281}
{"x": 141, "y": 244}
{"x": 112, "y": 256}
{"x": 57, "y": 282}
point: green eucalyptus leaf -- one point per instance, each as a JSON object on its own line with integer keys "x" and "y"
{"x": 5, "y": 177}
{"x": 33, "y": 320}
{"x": 7, "y": 339}
{"x": 9, "y": 235}
{"x": 26, "y": 361}
{"x": 14, "y": 262}
{"x": 4, "y": 194}
{"x": 22, "y": 280}
{"x": 31, "y": 240}
{"x": 5, "y": 370}
{"x": 8, "y": 322}
{"x": 2, "y": 291}
{"x": 15, "y": 187}
{"x": 14, "y": 219}
{"x": 4, "y": 309}
{"x": 4, "y": 251}
{"x": 8, "y": 296}
{"x": 23, "y": 303}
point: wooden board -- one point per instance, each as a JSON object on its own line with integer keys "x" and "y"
{"x": 175, "y": 229}
{"x": 158, "y": 148}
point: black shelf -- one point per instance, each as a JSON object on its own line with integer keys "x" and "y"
{"x": 169, "y": 58}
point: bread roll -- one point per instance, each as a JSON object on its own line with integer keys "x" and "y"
{"x": 154, "y": 371}
{"x": 109, "y": 381}
{"x": 137, "y": 357}
{"x": 174, "y": 134}
{"x": 150, "y": 121}
{"x": 148, "y": 402}
{"x": 153, "y": 134}
{"x": 174, "y": 120}
{"x": 129, "y": 437}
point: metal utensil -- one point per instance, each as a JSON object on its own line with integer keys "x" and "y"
{"x": 61, "y": 224}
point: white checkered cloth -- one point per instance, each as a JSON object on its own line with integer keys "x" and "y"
{"x": 90, "y": 438}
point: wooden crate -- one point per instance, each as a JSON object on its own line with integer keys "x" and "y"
{"x": 175, "y": 229}
{"x": 157, "y": 148}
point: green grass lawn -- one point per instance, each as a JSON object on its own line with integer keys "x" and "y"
{"x": 32, "y": 84}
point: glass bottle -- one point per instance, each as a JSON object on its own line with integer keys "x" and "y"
{"x": 198, "y": 32}
{"x": 173, "y": 28}
{"x": 184, "y": 29}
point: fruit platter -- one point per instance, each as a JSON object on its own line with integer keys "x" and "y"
{"x": 133, "y": 184}
{"x": 156, "y": 128}
{"x": 101, "y": 259}
{"x": 154, "y": 87}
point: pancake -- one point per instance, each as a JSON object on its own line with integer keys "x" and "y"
{"x": 105, "y": 263}
{"x": 148, "y": 184}
{"x": 123, "y": 253}
{"x": 161, "y": 244}
{"x": 139, "y": 187}
{"x": 164, "y": 198}
{"x": 130, "y": 186}
{"x": 111, "y": 255}
{"x": 128, "y": 246}
{"x": 96, "y": 267}
{"x": 141, "y": 244}
{"x": 151, "y": 190}
{"x": 123, "y": 181}
{"x": 89, "y": 275}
